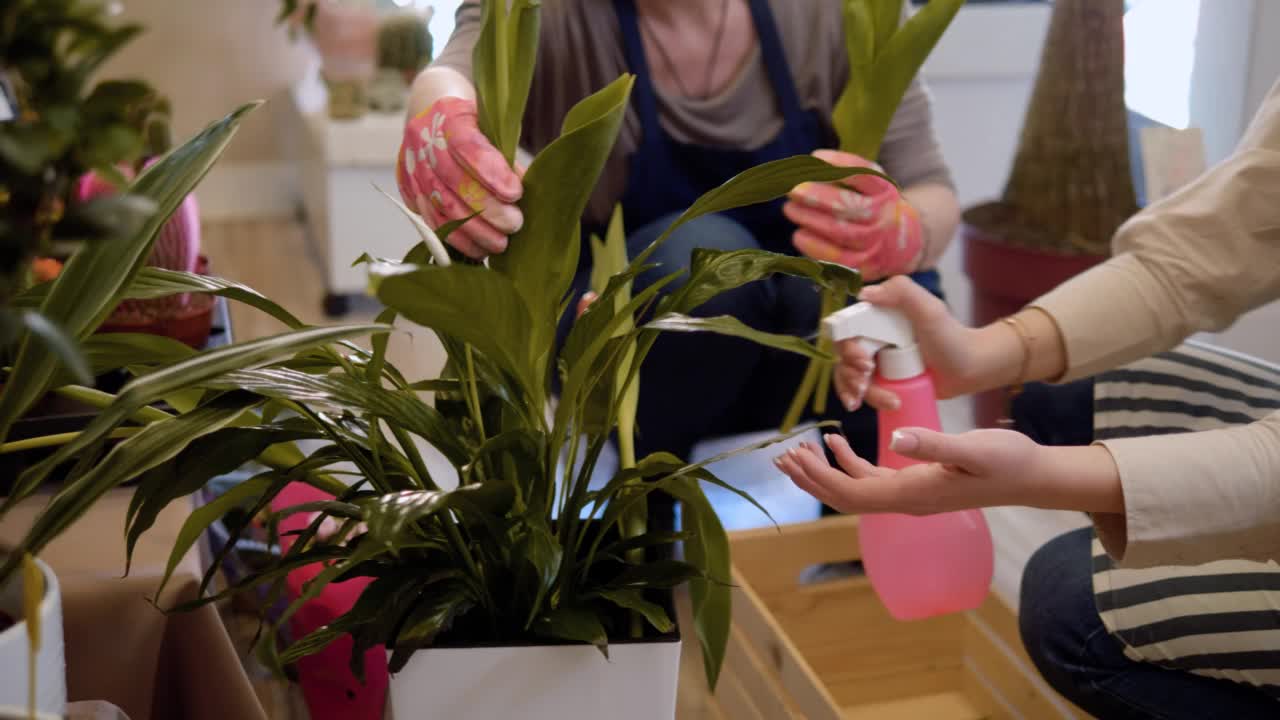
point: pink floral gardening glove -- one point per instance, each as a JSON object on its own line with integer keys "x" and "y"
{"x": 447, "y": 170}
{"x": 862, "y": 222}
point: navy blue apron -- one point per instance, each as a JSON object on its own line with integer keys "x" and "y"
{"x": 696, "y": 387}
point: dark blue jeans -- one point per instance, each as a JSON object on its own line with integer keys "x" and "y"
{"x": 1059, "y": 619}
{"x": 1081, "y": 660}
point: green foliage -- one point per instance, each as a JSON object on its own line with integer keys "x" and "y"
{"x": 511, "y": 544}
{"x": 65, "y": 124}
{"x": 884, "y": 57}
{"x": 885, "y": 54}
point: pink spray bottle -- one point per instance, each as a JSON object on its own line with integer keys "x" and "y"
{"x": 919, "y": 566}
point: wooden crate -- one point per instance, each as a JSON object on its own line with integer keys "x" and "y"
{"x": 830, "y": 651}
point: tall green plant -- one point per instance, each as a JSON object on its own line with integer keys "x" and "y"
{"x": 885, "y": 54}
{"x": 502, "y": 546}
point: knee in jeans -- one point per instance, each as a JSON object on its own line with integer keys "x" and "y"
{"x": 1057, "y": 612}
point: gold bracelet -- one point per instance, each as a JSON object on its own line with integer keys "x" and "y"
{"x": 1025, "y": 339}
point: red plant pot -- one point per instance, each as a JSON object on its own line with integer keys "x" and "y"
{"x": 191, "y": 325}
{"x": 1004, "y": 279}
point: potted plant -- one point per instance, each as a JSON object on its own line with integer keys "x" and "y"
{"x": 1070, "y": 187}
{"x": 60, "y": 124}
{"x": 494, "y": 552}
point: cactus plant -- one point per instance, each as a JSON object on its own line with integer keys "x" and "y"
{"x": 404, "y": 44}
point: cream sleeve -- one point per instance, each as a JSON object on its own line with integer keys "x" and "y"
{"x": 1195, "y": 261}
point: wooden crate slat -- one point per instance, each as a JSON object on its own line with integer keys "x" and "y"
{"x": 734, "y": 700}
{"x": 757, "y": 678}
{"x": 807, "y": 692}
{"x": 774, "y": 560}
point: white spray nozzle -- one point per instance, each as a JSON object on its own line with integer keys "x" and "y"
{"x": 886, "y": 334}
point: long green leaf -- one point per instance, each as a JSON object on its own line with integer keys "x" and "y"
{"x": 155, "y": 444}
{"x": 434, "y": 615}
{"x": 174, "y": 378}
{"x": 712, "y": 272}
{"x": 207, "y": 457}
{"x": 342, "y": 393}
{"x": 731, "y": 326}
{"x": 543, "y": 256}
{"x": 94, "y": 280}
{"x": 707, "y": 549}
{"x": 59, "y": 345}
{"x": 154, "y": 282}
{"x": 761, "y": 183}
{"x": 112, "y": 351}
{"x": 634, "y": 600}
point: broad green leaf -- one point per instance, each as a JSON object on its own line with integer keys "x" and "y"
{"x": 95, "y": 278}
{"x": 577, "y": 624}
{"x": 345, "y": 393}
{"x": 153, "y": 445}
{"x": 707, "y": 549}
{"x": 59, "y": 345}
{"x": 207, "y": 457}
{"x": 539, "y": 555}
{"x": 712, "y": 272}
{"x": 650, "y": 539}
{"x": 178, "y": 377}
{"x": 731, "y": 326}
{"x": 436, "y": 612}
{"x": 502, "y": 69}
{"x": 371, "y": 607}
{"x": 660, "y": 574}
{"x": 388, "y": 515}
{"x": 473, "y": 304}
{"x": 634, "y": 600}
{"x": 278, "y": 570}
{"x": 543, "y": 256}
{"x": 761, "y": 183}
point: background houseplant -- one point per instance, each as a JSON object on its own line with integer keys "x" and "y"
{"x": 1071, "y": 185}
{"x": 504, "y": 555}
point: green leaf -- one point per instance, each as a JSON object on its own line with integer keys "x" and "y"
{"x": 634, "y": 600}
{"x": 178, "y": 377}
{"x": 761, "y": 183}
{"x": 388, "y": 515}
{"x": 707, "y": 549}
{"x": 206, "y": 457}
{"x": 343, "y": 393}
{"x": 155, "y": 444}
{"x": 712, "y": 272}
{"x": 62, "y": 347}
{"x": 660, "y": 574}
{"x": 731, "y": 326}
{"x": 502, "y": 69}
{"x": 112, "y": 351}
{"x": 576, "y": 624}
{"x": 434, "y": 615}
{"x": 155, "y": 282}
{"x": 543, "y": 256}
{"x": 474, "y": 305}
{"x": 539, "y": 555}
{"x": 94, "y": 280}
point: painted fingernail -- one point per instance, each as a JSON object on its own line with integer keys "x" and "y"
{"x": 903, "y": 442}
{"x": 893, "y": 403}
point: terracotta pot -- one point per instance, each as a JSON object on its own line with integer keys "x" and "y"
{"x": 1005, "y": 278}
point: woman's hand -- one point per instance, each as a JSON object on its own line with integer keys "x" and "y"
{"x": 984, "y": 468}
{"x": 950, "y": 350}
{"x": 861, "y": 222}
{"x": 447, "y": 170}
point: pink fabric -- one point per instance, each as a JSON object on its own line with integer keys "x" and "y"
{"x": 862, "y": 222}
{"x": 330, "y": 690}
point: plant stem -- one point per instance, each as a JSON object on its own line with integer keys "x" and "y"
{"x": 831, "y": 301}
{"x": 801, "y": 397}
{"x": 61, "y": 439}
{"x": 464, "y": 552}
{"x": 415, "y": 458}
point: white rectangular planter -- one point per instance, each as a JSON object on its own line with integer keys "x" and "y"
{"x": 541, "y": 682}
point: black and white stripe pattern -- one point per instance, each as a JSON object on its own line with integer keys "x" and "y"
{"x": 1221, "y": 619}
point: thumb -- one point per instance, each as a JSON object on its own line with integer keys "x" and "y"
{"x": 930, "y": 446}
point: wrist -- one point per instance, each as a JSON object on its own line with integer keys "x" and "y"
{"x": 1085, "y": 479}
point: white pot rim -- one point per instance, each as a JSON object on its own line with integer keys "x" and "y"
{"x": 52, "y": 592}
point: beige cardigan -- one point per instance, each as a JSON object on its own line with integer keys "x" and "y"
{"x": 1192, "y": 262}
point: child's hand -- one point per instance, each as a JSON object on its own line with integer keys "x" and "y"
{"x": 984, "y": 468}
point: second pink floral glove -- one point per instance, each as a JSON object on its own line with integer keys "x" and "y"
{"x": 862, "y": 222}
{"x": 447, "y": 170}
